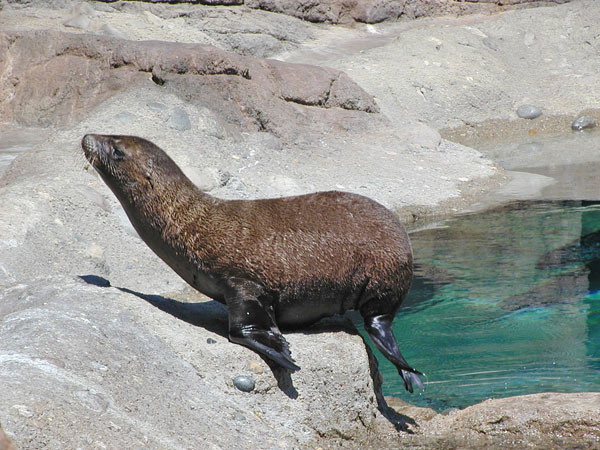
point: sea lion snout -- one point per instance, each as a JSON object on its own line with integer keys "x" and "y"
{"x": 88, "y": 143}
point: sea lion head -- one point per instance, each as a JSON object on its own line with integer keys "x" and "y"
{"x": 130, "y": 166}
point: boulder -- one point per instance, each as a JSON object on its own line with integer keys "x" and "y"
{"x": 548, "y": 420}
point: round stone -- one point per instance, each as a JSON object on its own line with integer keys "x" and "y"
{"x": 583, "y": 123}
{"x": 211, "y": 341}
{"x": 244, "y": 383}
{"x": 528, "y": 112}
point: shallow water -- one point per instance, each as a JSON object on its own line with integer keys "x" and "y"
{"x": 507, "y": 301}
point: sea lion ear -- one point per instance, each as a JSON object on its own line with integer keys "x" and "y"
{"x": 149, "y": 178}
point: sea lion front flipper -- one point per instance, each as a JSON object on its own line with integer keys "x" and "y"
{"x": 252, "y": 324}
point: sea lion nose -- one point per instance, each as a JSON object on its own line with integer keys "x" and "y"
{"x": 87, "y": 140}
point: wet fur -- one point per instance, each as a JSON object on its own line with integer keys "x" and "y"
{"x": 274, "y": 262}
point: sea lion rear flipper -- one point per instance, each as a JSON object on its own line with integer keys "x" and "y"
{"x": 380, "y": 331}
{"x": 252, "y": 324}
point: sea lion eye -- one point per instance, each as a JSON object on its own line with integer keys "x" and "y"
{"x": 117, "y": 153}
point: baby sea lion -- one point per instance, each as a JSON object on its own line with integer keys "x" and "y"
{"x": 274, "y": 262}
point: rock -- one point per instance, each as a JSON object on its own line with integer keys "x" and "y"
{"x": 179, "y": 120}
{"x": 374, "y": 11}
{"x": 130, "y": 62}
{"x": 81, "y": 21}
{"x": 103, "y": 358}
{"x": 584, "y": 123}
{"x": 125, "y": 117}
{"x": 156, "y": 107}
{"x": 549, "y": 421}
{"x": 244, "y": 383}
{"x": 112, "y": 31}
{"x": 528, "y": 112}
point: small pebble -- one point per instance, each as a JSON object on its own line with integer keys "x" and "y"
{"x": 238, "y": 416}
{"x": 528, "y": 112}
{"x": 179, "y": 120}
{"x": 584, "y": 123}
{"x": 244, "y": 383}
{"x": 255, "y": 367}
{"x": 211, "y": 341}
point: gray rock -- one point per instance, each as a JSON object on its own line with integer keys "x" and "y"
{"x": 126, "y": 117}
{"x": 584, "y": 123}
{"x": 81, "y": 21}
{"x": 528, "y": 112}
{"x": 179, "y": 120}
{"x": 156, "y": 106}
{"x": 109, "y": 30}
{"x": 244, "y": 383}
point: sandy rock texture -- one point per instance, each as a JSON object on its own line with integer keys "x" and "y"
{"x": 372, "y": 11}
{"x": 530, "y": 421}
{"x": 102, "y": 346}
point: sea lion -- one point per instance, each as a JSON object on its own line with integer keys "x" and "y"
{"x": 274, "y": 262}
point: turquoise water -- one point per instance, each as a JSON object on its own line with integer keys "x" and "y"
{"x": 504, "y": 302}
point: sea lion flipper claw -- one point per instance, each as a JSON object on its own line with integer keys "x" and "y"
{"x": 252, "y": 323}
{"x": 267, "y": 342}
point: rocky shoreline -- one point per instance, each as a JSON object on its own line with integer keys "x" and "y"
{"x": 102, "y": 347}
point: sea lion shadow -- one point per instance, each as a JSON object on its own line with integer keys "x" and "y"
{"x": 210, "y": 315}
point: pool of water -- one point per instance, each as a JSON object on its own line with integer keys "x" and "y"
{"x": 504, "y": 302}
{"x": 507, "y": 301}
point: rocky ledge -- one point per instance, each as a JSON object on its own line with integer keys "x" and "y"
{"x": 102, "y": 346}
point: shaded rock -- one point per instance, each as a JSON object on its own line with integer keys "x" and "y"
{"x": 374, "y": 11}
{"x": 528, "y": 112}
{"x": 584, "y": 123}
{"x": 262, "y": 89}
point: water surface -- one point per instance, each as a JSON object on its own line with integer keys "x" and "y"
{"x": 506, "y": 301}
